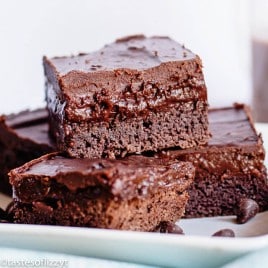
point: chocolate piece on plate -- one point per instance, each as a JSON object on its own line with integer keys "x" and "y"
{"x": 247, "y": 209}
{"x": 225, "y": 233}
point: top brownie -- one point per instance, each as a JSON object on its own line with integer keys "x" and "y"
{"x": 136, "y": 94}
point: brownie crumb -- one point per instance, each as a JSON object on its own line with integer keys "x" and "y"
{"x": 247, "y": 209}
{"x": 225, "y": 233}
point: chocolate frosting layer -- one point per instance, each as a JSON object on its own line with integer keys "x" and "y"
{"x": 126, "y": 178}
{"x": 129, "y": 77}
{"x": 133, "y": 52}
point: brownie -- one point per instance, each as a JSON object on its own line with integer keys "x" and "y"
{"x": 229, "y": 168}
{"x": 23, "y": 137}
{"x": 135, "y": 193}
{"x": 136, "y": 94}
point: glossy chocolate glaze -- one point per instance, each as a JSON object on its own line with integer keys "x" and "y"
{"x": 232, "y": 126}
{"x": 30, "y": 125}
{"x": 126, "y": 178}
{"x": 131, "y": 76}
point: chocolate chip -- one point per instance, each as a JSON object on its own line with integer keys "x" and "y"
{"x": 225, "y": 233}
{"x": 247, "y": 209}
{"x": 170, "y": 228}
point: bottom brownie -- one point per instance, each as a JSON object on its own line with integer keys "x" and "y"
{"x": 228, "y": 168}
{"x": 136, "y": 193}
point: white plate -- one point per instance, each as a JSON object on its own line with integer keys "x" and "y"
{"x": 196, "y": 249}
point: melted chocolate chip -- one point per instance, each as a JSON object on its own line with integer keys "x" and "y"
{"x": 225, "y": 233}
{"x": 247, "y": 209}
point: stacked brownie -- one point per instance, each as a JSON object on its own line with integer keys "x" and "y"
{"x": 23, "y": 137}
{"x": 137, "y": 96}
{"x": 229, "y": 168}
{"x": 135, "y": 193}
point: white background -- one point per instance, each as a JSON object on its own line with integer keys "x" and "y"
{"x": 217, "y": 30}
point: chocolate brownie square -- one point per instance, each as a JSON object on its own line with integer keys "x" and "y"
{"x": 23, "y": 137}
{"x": 230, "y": 168}
{"x": 135, "y": 193}
{"x": 137, "y": 94}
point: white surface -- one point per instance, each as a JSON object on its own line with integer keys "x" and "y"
{"x": 216, "y": 30}
{"x": 196, "y": 249}
{"x": 11, "y": 257}
{"x": 147, "y": 248}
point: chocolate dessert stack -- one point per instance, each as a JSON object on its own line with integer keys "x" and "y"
{"x": 133, "y": 96}
{"x": 137, "y": 146}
